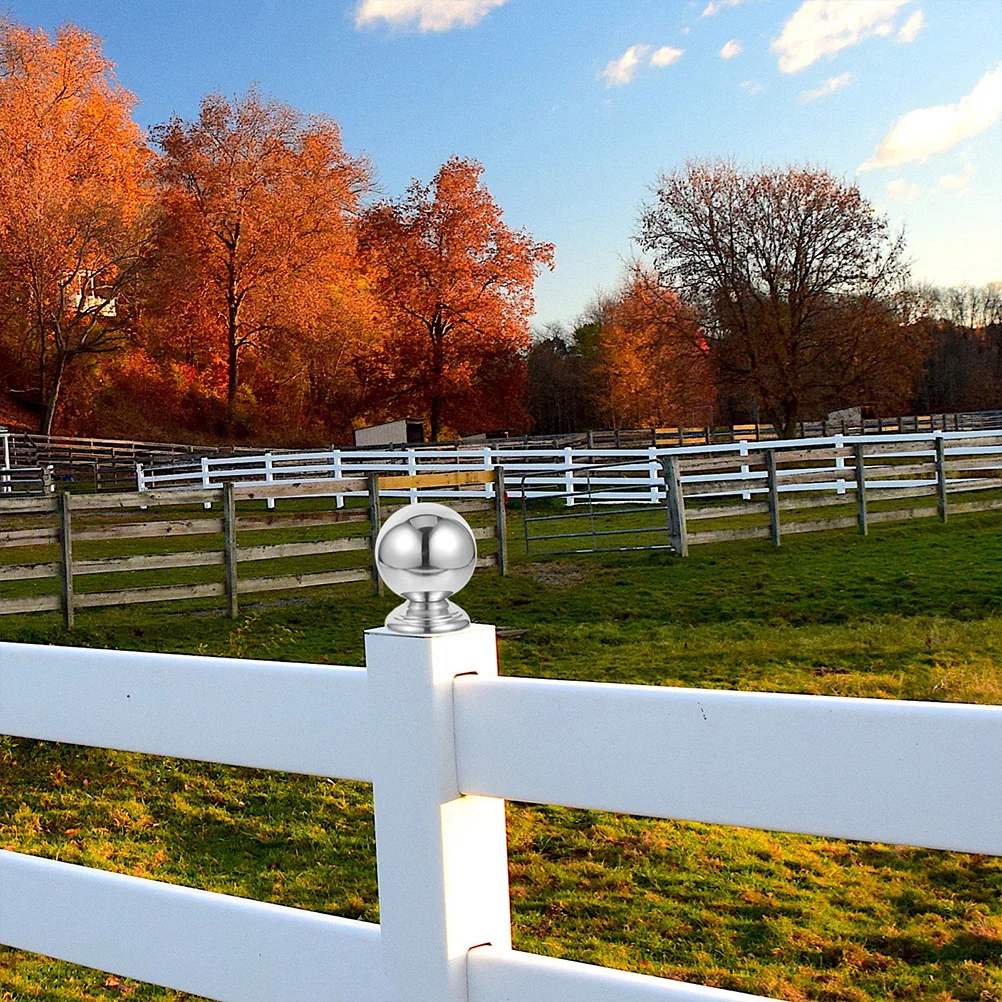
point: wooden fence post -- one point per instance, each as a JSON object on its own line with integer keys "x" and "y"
{"x": 857, "y": 450}
{"x": 940, "y": 478}
{"x": 501, "y": 520}
{"x": 770, "y": 465}
{"x": 230, "y": 548}
{"x": 375, "y": 522}
{"x": 66, "y": 559}
{"x": 675, "y": 502}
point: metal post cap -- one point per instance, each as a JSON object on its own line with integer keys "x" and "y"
{"x": 426, "y": 553}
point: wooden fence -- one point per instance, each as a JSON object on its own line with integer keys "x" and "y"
{"x": 100, "y": 463}
{"x": 71, "y": 519}
{"x": 759, "y": 493}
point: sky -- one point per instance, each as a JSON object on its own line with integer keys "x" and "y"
{"x": 576, "y": 106}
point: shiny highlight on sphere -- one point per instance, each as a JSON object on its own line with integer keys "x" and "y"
{"x": 425, "y": 549}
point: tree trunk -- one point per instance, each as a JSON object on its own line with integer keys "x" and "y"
{"x": 232, "y": 329}
{"x": 434, "y": 417}
{"x": 233, "y": 361}
{"x": 52, "y": 398}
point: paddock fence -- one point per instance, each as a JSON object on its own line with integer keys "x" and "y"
{"x": 672, "y": 501}
{"x": 551, "y": 473}
{"x": 98, "y": 464}
{"x": 220, "y": 531}
{"x": 445, "y": 741}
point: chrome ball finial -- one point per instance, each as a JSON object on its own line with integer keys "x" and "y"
{"x": 426, "y": 553}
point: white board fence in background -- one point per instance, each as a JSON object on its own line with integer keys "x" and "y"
{"x": 445, "y": 741}
{"x": 566, "y": 473}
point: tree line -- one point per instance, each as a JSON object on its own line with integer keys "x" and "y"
{"x": 236, "y": 275}
{"x": 774, "y": 295}
{"x": 239, "y": 276}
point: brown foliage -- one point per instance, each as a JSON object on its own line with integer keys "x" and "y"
{"x": 791, "y": 272}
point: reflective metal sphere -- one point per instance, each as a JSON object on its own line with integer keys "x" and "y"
{"x": 426, "y": 552}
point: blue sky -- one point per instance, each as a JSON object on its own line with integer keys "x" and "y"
{"x": 574, "y": 106}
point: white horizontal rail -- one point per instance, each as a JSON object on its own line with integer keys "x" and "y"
{"x": 555, "y": 472}
{"x": 510, "y": 976}
{"x": 924, "y": 774}
{"x": 289, "y": 717}
{"x": 213, "y": 945}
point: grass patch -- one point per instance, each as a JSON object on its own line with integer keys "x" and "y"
{"x": 914, "y": 611}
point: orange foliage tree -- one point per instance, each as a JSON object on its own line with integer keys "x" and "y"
{"x": 256, "y": 254}
{"x": 457, "y": 286}
{"x": 653, "y": 366}
{"x": 75, "y": 214}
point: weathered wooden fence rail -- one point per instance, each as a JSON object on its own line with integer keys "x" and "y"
{"x": 65, "y": 528}
{"x": 445, "y": 741}
{"x": 774, "y": 480}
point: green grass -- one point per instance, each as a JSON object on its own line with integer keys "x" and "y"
{"x": 913, "y": 611}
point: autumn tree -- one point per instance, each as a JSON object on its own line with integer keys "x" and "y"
{"x": 457, "y": 283}
{"x": 792, "y": 274}
{"x": 74, "y": 209}
{"x": 652, "y": 361}
{"x": 258, "y": 248}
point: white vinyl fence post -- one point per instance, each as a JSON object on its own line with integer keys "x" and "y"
{"x": 653, "y": 473}
{"x": 141, "y": 483}
{"x": 269, "y": 475}
{"x": 206, "y": 484}
{"x": 569, "y": 477}
{"x": 412, "y": 469}
{"x": 441, "y": 857}
{"x": 5, "y": 435}
{"x": 745, "y": 467}
{"x": 338, "y": 475}
{"x": 839, "y": 462}
{"x": 488, "y": 465}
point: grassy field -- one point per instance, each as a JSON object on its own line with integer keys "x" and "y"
{"x": 914, "y": 611}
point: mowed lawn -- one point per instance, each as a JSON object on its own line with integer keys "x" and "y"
{"x": 914, "y": 611}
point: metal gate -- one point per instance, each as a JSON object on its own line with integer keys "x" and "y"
{"x": 609, "y": 509}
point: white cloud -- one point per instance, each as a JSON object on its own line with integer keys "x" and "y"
{"x": 910, "y": 29}
{"x": 751, "y": 87}
{"x": 830, "y": 86}
{"x": 666, "y": 55}
{"x": 621, "y": 71}
{"x": 731, "y": 49}
{"x": 822, "y": 27}
{"x": 956, "y": 182}
{"x": 715, "y": 6}
{"x": 900, "y": 188}
{"x": 924, "y": 132}
{"x": 426, "y": 15}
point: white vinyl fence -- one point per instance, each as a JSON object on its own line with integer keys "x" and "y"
{"x": 445, "y": 741}
{"x": 632, "y": 475}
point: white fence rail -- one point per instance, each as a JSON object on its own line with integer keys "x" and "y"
{"x": 445, "y": 741}
{"x": 564, "y": 473}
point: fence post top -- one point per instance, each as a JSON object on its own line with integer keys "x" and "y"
{"x": 426, "y": 553}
